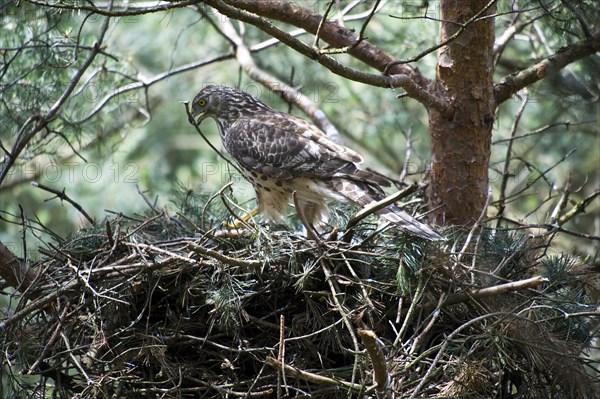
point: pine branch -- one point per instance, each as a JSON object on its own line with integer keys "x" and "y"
{"x": 511, "y": 84}
{"x": 27, "y": 133}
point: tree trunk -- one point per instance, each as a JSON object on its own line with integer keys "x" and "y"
{"x": 461, "y": 143}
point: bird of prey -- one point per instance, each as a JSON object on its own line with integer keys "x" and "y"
{"x": 281, "y": 154}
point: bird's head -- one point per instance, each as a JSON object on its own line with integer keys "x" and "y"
{"x": 225, "y": 104}
{"x": 207, "y": 103}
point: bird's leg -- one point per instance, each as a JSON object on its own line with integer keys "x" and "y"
{"x": 239, "y": 222}
{"x": 306, "y": 214}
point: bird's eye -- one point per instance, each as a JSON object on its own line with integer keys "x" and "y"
{"x": 202, "y": 102}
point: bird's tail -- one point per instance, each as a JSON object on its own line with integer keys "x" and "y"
{"x": 364, "y": 194}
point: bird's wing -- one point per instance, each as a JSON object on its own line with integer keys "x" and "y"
{"x": 282, "y": 147}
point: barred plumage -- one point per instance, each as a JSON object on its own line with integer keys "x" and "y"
{"x": 281, "y": 154}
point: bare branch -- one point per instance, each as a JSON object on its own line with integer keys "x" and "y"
{"x": 311, "y": 377}
{"x": 331, "y": 32}
{"x": 461, "y": 29}
{"x": 149, "y": 82}
{"x": 419, "y": 92}
{"x": 290, "y": 94}
{"x": 544, "y": 129}
{"x": 511, "y": 84}
{"x": 64, "y": 197}
{"x": 492, "y": 291}
{"x": 253, "y": 264}
{"x": 507, "y": 158}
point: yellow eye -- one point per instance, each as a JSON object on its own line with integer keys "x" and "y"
{"x": 202, "y": 102}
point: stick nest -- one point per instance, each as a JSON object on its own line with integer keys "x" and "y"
{"x": 159, "y": 307}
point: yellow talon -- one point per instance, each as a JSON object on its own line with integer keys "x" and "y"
{"x": 238, "y": 223}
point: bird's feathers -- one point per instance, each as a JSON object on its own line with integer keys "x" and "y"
{"x": 282, "y": 154}
{"x": 283, "y": 148}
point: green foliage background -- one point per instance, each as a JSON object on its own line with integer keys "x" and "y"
{"x": 142, "y": 138}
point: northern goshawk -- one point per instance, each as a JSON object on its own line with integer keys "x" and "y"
{"x": 281, "y": 154}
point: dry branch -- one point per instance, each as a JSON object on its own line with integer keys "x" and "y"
{"x": 493, "y": 291}
{"x": 333, "y": 33}
{"x": 423, "y": 95}
{"x": 579, "y": 208}
{"x": 511, "y": 84}
{"x": 62, "y": 195}
{"x": 375, "y": 349}
{"x": 311, "y": 377}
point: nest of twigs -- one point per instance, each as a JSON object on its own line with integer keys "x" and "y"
{"x": 162, "y": 307}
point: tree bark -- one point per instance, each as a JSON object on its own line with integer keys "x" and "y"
{"x": 461, "y": 142}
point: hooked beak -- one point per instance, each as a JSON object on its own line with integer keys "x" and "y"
{"x": 197, "y": 115}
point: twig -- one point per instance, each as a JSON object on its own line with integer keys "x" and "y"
{"x": 41, "y": 122}
{"x": 311, "y": 377}
{"x": 39, "y": 303}
{"x": 254, "y": 264}
{"x": 375, "y": 206}
{"x": 147, "y": 200}
{"x": 512, "y": 83}
{"x": 411, "y": 309}
{"x": 473, "y": 230}
{"x": 361, "y": 37}
{"x": 323, "y": 19}
{"x": 434, "y": 317}
{"x": 544, "y": 129}
{"x": 541, "y": 176}
{"x": 281, "y": 356}
{"x": 508, "y": 156}
{"x": 462, "y": 28}
{"x": 562, "y": 202}
{"x": 74, "y": 359}
{"x": 210, "y": 200}
{"x": 374, "y": 349}
{"x": 53, "y": 338}
{"x": 334, "y": 296}
{"x": 550, "y": 227}
{"x": 407, "y": 154}
{"x": 332, "y": 32}
{"x": 445, "y": 345}
{"x": 579, "y": 208}
{"x": 192, "y": 122}
{"x": 64, "y": 197}
{"x": 491, "y": 291}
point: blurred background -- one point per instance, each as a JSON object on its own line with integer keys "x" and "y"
{"x": 106, "y": 148}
